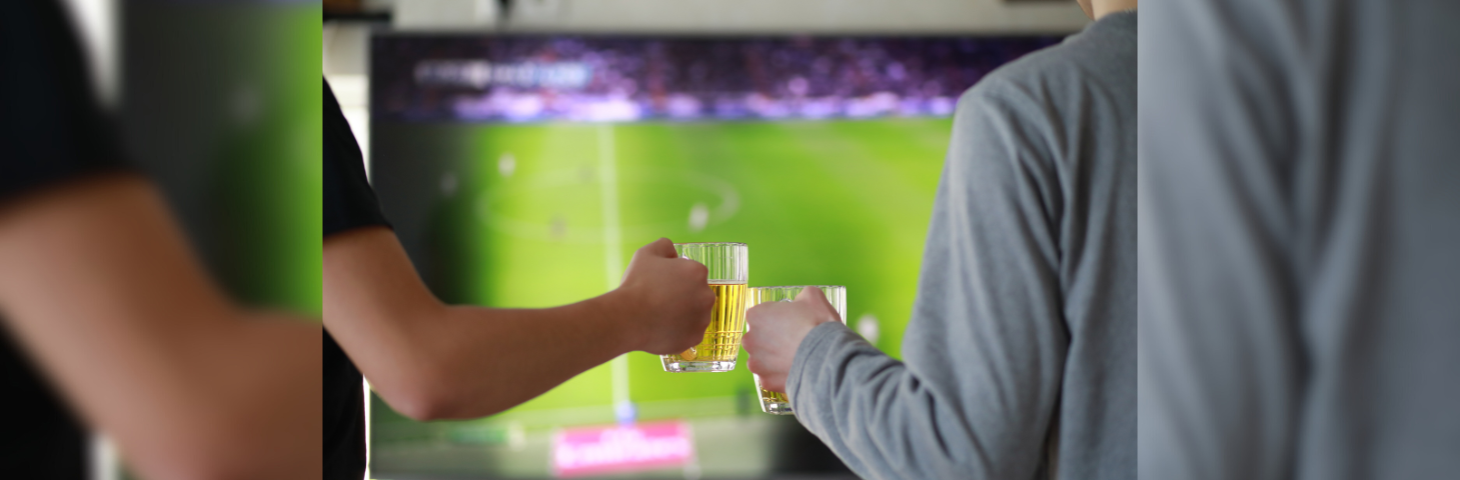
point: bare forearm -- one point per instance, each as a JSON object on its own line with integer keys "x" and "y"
{"x": 460, "y": 361}
{"x": 262, "y": 381}
{"x": 431, "y": 361}
{"x": 101, "y": 291}
{"x": 499, "y": 358}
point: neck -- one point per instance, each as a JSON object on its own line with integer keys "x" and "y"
{"x": 1105, "y": 7}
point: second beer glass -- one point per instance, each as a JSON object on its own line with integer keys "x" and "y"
{"x": 776, "y": 403}
{"x": 729, "y": 272}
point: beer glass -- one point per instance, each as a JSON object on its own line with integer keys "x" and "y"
{"x": 729, "y": 271}
{"x": 776, "y": 403}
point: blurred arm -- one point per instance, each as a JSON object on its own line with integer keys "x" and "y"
{"x": 985, "y": 348}
{"x": 99, "y": 287}
{"x": 433, "y": 361}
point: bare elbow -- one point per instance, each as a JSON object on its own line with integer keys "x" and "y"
{"x": 425, "y": 403}
{"x": 431, "y": 392}
{"x": 422, "y": 409}
{"x": 202, "y": 471}
{"x": 422, "y": 401}
{"x": 231, "y": 465}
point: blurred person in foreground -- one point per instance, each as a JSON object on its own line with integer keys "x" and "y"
{"x": 1300, "y": 240}
{"x": 108, "y": 314}
{"x": 430, "y": 360}
{"x": 1020, "y": 354}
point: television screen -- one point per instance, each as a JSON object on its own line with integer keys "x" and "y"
{"x": 523, "y": 171}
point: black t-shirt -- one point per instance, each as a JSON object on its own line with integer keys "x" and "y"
{"x": 51, "y": 130}
{"x": 51, "y": 127}
{"x": 349, "y": 203}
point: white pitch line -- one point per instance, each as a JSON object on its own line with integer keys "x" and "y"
{"x": 366, "y": 386}
{"x": 612, "y": 245}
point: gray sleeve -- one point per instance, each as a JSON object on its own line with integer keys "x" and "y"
{"x": 1219, "y": 362}
{"x": 986, "y": 344}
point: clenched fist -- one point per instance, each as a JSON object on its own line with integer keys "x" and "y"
{"x": 776, "y": 331}
{"x": 669, "y": 297}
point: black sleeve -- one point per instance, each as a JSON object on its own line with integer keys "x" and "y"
{"x": 349, "y": 202}
{"x": 51, "y": 127}
{"x": 51, "y": 130}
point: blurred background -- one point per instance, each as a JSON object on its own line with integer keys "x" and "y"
{"x": 215, "y": 103}
{"x": 218, "y": 103}
{"x": 523, "y": 149}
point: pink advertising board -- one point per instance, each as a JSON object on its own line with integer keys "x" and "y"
{"x": 621, "y": 448}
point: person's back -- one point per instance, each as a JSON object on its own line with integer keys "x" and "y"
{"x": 1084, "y": 93}
{"x": 1300, "y": 238}
{"x": 1020, "y": 355}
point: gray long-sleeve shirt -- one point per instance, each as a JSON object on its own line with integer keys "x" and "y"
{"x": 1020, "y": 355}
{"x": 1300, "y": 240}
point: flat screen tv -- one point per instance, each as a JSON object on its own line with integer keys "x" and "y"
{"x": 523, "y": 171}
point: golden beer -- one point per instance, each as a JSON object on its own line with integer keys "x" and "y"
{"x": 727, "y": 266}
{"x": 774, "y": 403}
{"x": 717, "y": 351}
{"x": 777, "y": 403}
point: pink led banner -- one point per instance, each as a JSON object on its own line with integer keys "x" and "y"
{"x": 599, "y": 450}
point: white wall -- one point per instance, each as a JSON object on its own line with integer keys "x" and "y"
{"x": 346, "y": 66}
{"x": 95, "y": 22}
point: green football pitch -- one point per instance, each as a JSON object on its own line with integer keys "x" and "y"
{"x": 549, "y": 214}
